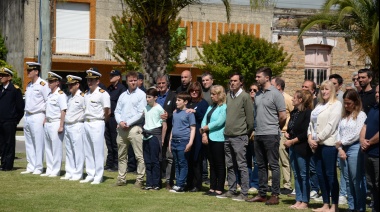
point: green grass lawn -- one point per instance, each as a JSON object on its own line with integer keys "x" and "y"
{"x": 34, "y": 193}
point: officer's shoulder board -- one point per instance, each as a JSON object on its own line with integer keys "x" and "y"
{"x": 42, "y": 83}
{"x": 16, "y": 86}
{"x": 60, "y": 92}
{"x": 101, "y": 90}
{"x": 85, "y": 91}
{"x": 82, "y": 94}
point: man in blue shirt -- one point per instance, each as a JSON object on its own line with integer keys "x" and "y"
{"x": 369, "y": 142}
{"x": 128, "y": 115}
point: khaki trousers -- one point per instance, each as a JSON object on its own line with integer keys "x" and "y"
{"x": 284, "y": 166}
{"x": 131, "y": 136}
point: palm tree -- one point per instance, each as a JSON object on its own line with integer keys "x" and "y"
{"x": 358, "y": 19}
{"x": 155, "y": 16}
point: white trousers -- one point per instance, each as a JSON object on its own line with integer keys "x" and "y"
{"x": 74, "y": 150}
{"x": 94, "y": 149}
{"x": 53, "y": 148}
{"x": 34, "y": 141}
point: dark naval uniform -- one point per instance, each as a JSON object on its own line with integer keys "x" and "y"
{"x": 11, "y": 112}
{"x": 110, "y": 133}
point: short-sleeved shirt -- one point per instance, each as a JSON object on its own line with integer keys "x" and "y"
{"x": 181, "y": 124}
{"x": 95, "y": 103}
{"x": 36, "y": 96}
{"x": 153, "y": 117}
{"x": 56, "y": 102}
{"x": 75, "y": 108}
{"x": 268, "y": 104}
{"x": 372, "y": 127}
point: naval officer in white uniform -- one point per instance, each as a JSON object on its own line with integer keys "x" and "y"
{"x": 97, "y": 111}
{"x": 74, "y": 130}
{"x": 56, "y": 106}
{"x": 35, "y": 105}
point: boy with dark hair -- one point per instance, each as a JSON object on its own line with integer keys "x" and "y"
{"x": 154, "y": 132}
{"x": 181, "y": 140}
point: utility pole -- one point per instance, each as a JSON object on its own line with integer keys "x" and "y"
{"x": 45, "y": 44}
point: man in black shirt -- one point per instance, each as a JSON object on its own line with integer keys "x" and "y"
{"x": 367, "y": 94}
{"x": 185, "y": 81}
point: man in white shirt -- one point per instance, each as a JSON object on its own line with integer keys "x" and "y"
{"x": 97, "y": 104}
{"x": 74, "y": 127}
{"x": 35, "y": 105}
{"x": 55, "y": 116}
{"x": 128, "y": 115}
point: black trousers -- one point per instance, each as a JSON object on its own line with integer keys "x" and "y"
{"x": 110, "y": 134}
{"x": 216, "y": 158}
{"x": 372, "y": 176}
{"x": 7, "y": 144}
{"x": 194, "y": 175}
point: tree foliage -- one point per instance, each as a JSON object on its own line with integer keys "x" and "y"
{"x": 3, "y": 49}
{"x": 239, "y": 52}
{"x": 127, "y": 36}
{"x": 357, "y": 19}
{"x": 3, "y": 55}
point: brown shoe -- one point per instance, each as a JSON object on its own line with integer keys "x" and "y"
{"x": 257, "y": 198}
{"x": 273, "y": 200}
{"x": 138, "y": 184}
{"x": 168, "y": 186}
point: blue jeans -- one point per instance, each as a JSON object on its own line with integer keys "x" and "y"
{"x": 252, "y": 171}
{"x": 151, "y": 153}
{"x": 325, "y": 161}
{"x": 300, "y": 166}
{"x": 354, "y": 170}
{"x": 180, "y": 159}
{"x": 314, "y": 184}
{"x": 342, "y": 180}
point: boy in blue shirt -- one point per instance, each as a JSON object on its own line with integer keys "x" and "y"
{"x": 181, "y": 140}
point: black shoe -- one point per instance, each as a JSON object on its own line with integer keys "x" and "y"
{"x": 206, "y": 181}
{"x": 195, "y": 189}
{"x": 156, "y": 188}
{"x": 208, "y": 193}
{"x": 285, "y": 191}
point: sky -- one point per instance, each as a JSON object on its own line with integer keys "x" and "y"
{"x": 311, "y": 4}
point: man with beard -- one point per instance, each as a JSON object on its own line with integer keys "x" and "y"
{"x": 367, "y": 94}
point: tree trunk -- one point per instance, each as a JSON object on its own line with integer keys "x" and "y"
{"x": 156, "y": 50}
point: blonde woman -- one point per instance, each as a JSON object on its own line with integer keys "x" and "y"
{"x": 322, "y": 133}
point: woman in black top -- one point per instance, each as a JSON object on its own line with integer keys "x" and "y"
{"x": 299, "y": 150}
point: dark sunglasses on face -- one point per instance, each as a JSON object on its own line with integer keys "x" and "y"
{"x": 254, "y": 90}
{"x": 354, "y": 79}
{"x": 191, "y": 91}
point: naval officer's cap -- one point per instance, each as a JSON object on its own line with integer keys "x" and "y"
{"x": 53, "y": 76}
{"x": 33, "y": 66}
{"x": 6, "y": 71}
{"x": 71, "y": 79}
{"x": 93, "y": 74}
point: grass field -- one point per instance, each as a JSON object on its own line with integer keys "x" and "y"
{"x": 34, "y": 193}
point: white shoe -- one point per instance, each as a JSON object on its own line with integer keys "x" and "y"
{"x": 65, "y": 178}
{"x": 96, "y": 182}
{"x": 313, "y": 194}
{"x": 87, "y": 180}
{"x": 252, "y": 190}
{"x": 342, "y": 200}
{"x": 319, "y": 199}
{"x": 44, "y": 175}
{"x": 76, "y": 179}
{"x": 37, "y": 172}
{"x": 26, "y": 172}
{"x": 53, "y": 175}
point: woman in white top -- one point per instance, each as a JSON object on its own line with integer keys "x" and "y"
{"x": 351, "y": 158}
{"x": 322, "y": 132}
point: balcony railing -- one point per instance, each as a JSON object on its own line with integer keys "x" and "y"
{"x": 86, "y": 49}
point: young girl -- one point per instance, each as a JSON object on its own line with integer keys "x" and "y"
{"x": 154, "y": 133}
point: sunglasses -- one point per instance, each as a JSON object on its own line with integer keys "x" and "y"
{"x": 254, "y": 90}
{"x": 192, "y": 91}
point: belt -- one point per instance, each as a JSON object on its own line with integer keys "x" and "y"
{"x": 71, "y": 123}
{"x": 52, "y": 120}
{"x": 92, "y": 120}
{"x": 29, "y": 113}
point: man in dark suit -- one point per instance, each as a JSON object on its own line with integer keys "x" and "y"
{"x": 11, "y": 112}
{"x": 110, "y": 133}
{"x": 166, "y": 98}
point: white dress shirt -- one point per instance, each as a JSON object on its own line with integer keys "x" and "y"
{"x": 75, "y": 108}
{"x": 36, "y": 96}
{"x": 95, "y": 103}
{"x": 349, "y": 129}
{"x": 130, "y": 106}
{"x": 56, "y": 102}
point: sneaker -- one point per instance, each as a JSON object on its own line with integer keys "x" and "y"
{"x": 252, "y": 190}
{"x": 45, "y": 175}
{"x": 156, "y": 188}
{"x": 138, "y": 184}
{"x": 26, "y": 172}
{"x": 228, "y": 194}
{"x": 65, "y": 178}
{"x": 177, "y": 189}
{"x": 87, "y": 180}
{"x": 37, "y": 172}
{"x": 313, "y": 194}
{"x": 240, "y": 198}
{"x": 342, "y": 200}
{"x": 147, "y": 188}
{"x": 238, "y": 188}
{"x": 319, "y": 199}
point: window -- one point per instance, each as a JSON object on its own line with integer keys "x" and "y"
{"x": 72, "y": 28}
{"x": 317, "y": 63}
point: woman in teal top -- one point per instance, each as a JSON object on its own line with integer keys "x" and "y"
{"x": 212, "y": 131}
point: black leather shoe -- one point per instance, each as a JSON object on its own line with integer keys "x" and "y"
{"x": 195, "y": 189}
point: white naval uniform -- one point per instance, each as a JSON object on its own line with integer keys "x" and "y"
{"x": 74, "y": 133}
{"x": 95, "y": 103}
{"x": 35, "y": 106}
{"x": 56, "y": 102}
